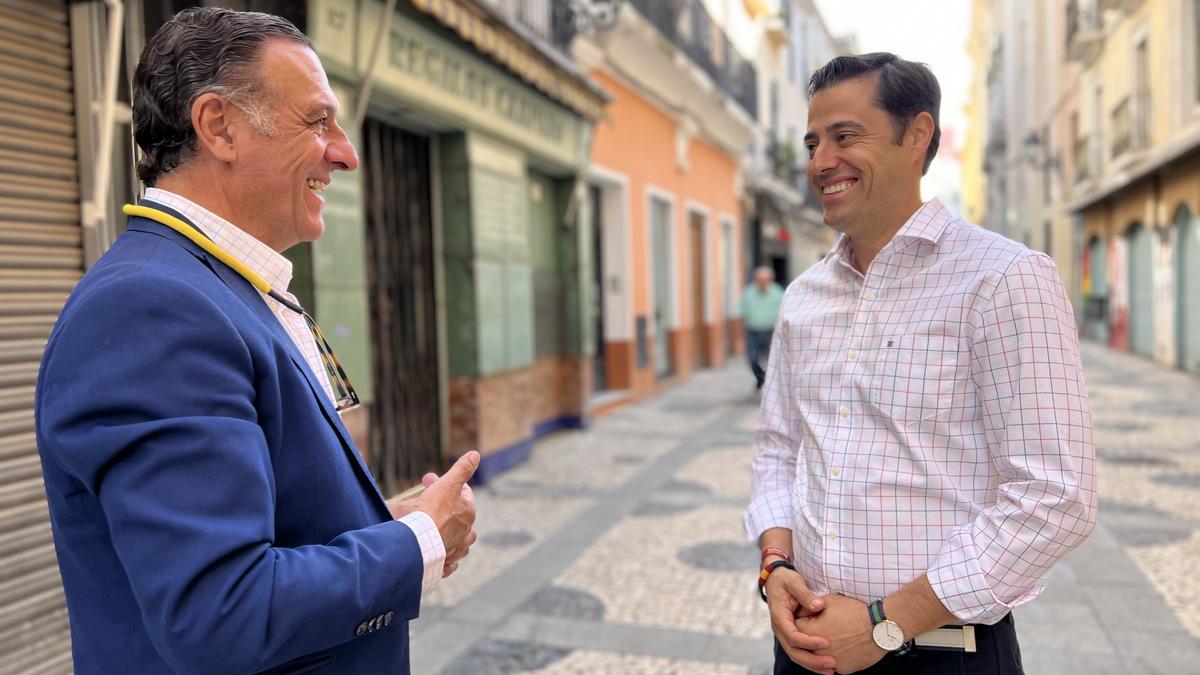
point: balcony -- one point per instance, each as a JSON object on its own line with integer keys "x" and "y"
{"x": 1126, "y": 6}
{"x": 1122, "y": 126}
{"x": 686, "y": 25}
{"x": 785, "y": 164}
{"x": 1082, "y": 159}
{"x": 1131, "y": 124}
{"x": 553, "y": 22}
{"x": 1085, "y": 34}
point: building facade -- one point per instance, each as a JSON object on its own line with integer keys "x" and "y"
{"x": 451, "y": 280}
{"x": 469, "y": 314}
{"x": 1094, "y": 132}
{"x": 785, "y": 227}
{"x": 664, "y": 185}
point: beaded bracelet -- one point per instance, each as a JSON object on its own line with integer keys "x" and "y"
{"x": 771, "y": 550}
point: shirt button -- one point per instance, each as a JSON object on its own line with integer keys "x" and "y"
{"x": 844, "y": 412}
{"x": 836, "y": 472}
{"x": 833, "y": 535}
{"x": 853, "y": 354}
{"x": 868, "y": 295}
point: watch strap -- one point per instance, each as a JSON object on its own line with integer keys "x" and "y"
{"x": 875, "y": 609}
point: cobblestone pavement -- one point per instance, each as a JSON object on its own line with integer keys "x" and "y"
{"x": 619, "y": 549}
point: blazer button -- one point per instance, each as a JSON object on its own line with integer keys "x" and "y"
{"x": 387, "y": 618}
{"x": 361, "y": 630}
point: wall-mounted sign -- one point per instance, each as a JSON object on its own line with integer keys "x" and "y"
{"x": 423, "y": 69}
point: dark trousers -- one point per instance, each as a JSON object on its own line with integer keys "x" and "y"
{"x": 997, "y": 654}
{"x": 758, "y": 343}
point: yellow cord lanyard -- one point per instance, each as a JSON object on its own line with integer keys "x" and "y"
{"x": 345, "y": 394}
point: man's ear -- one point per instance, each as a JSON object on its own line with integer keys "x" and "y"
{"x": 920, "y": 133}
{"x": 212, "y": 118}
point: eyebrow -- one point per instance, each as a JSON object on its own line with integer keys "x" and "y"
{"x": 834, "y": 128}
{"x": 322, "y": 109}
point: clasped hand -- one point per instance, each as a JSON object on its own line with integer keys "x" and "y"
{"x": 824, "y": 634}
{"x": 450, "y": 503}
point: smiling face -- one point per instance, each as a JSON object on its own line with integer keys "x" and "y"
{"x": 866, "y": 181}
{"x": 280, "y": 177}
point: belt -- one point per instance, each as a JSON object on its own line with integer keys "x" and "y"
{"x": 953, "y": 638}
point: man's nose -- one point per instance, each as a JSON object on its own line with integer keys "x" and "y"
{"x": 341, "y": 153}
{"x": 824, "y": 158}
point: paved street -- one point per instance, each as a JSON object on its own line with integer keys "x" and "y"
{"x": 620, "y": 549}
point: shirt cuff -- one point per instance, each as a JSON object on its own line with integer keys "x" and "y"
{"x": 767, "y": 512}
{"x": 963, "y": 587}
{"x": 433, "y": 551}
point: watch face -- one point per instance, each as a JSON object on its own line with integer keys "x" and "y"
{"x": 887, "y": 635}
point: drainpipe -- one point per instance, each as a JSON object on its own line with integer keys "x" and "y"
{"x": 364, "y": 92}
{"x": 94, "y": 209}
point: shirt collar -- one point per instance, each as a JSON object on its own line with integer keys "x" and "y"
{"x": 268, "y": 263}
{"x": 928, "y": 223}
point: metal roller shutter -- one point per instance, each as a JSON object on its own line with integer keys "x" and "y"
{"x": 41, "y": 259}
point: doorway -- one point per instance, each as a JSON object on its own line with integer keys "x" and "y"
{"x": 660, "y": 237}
{"x": 405, "y": 439}
{"x": 599, "y": 363}
{"x": 699, "y": 259}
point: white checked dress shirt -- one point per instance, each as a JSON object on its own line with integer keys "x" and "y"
{"x": 277, "y": 271}
{"x": 928, "y": 418}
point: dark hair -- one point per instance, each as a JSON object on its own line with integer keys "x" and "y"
{"x": 200, "y": 50}
{"x": 902, "y": 88}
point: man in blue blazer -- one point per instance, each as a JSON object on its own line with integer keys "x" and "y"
{"x": 210, "y": 511}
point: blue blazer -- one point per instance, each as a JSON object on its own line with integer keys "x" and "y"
{"x": 210, "y": 511}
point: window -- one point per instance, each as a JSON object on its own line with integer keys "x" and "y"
{"x": 1045, "y": 163}
{"x": 774, "y": 109}
{"x": 1141, "y": 93}
{"x": 1195, "y": 42}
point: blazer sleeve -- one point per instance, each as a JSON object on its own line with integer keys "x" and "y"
{"x": 146, "y": 398}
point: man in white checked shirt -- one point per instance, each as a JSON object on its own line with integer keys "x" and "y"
{"x": 924, "y": 445}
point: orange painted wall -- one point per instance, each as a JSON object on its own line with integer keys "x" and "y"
{"x": 638, "y": 140}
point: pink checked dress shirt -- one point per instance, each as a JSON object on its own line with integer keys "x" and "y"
{"x": 928, "y": 418}
{"x": 277, "y": 271}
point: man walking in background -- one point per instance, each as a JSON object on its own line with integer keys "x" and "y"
{"x": 760, "y": 308}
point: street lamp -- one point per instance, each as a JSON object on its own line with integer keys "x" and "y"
{"x": 589, "y": 15}
{"x": 1036, "y": 155}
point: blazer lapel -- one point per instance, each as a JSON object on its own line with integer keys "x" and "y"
{"x": 251, "y": 298}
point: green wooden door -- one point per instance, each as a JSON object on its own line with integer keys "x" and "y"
{"x": 1187, "y": 290}
{"x": 1141, "y": 290}
{"x": 660, "y": 231}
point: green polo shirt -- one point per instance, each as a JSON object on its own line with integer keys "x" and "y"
{"x": 761, "y": 308}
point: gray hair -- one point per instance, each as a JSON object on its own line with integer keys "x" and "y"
{"x": 199, "y": 51}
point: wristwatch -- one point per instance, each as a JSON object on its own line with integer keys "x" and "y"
{"x": 885, "y": 632}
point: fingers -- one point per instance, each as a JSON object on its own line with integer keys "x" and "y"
{"x": 784, "y": 626}
{"x": 819, "y": 664}
{"x": 805, "y": 598}
{"x": 783, "y": 598}
{"x": 470, "y": 539}
{"x": 463, "y": 469}
{"x": 464, "y": 547}
{"x": 449, "y": 569}
{"x": 429, "y": 479}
